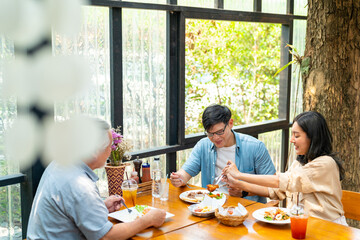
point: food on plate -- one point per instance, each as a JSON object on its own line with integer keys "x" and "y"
{"x": 142, "y": 210}
{"x": 195, "y": 196}
{"x": 216, "y": 195}
{"x": 212, "y": 187}
{"x": 276, "y": 215}
{"x": 201, "y": 209}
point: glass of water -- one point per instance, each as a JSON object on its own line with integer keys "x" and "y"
{"x": 164, "y": 190}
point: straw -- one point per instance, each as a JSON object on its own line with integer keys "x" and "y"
{"x": 297, "y": 204}
{"x": 127, "y": 177}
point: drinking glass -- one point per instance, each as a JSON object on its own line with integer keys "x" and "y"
{"x": 298, "y": 219}
{"x": 164, "y": 190}
{"x": 129, "y": 189}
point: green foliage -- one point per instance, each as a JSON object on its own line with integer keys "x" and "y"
{"x": 231, "y": 63}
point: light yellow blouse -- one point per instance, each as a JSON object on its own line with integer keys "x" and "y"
{"x": 319, "y": 184}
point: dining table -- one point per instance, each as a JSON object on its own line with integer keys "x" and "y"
{"x": 184, "y": 225}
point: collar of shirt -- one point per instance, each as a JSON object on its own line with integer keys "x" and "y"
{"x": 89, "y": 172}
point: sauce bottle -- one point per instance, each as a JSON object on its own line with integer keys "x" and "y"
{"x": 146, "y": 172}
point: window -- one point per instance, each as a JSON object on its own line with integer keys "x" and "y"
{"x": 10, "y": 209}
{"x": 231, "y": 63}
{"x": 144, "y": 77}
{"x": 93, "y": 43}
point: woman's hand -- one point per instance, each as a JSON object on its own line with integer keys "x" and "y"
{"x": 113, "y": 203}
{"x": 231, "y": 169}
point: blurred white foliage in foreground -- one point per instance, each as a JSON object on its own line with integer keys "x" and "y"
{"x": 40, "y": 79}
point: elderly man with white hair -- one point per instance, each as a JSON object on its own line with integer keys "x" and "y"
{"x": 68, "y": 205}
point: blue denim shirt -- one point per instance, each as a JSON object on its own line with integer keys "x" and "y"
{"x": 251, "y": 157}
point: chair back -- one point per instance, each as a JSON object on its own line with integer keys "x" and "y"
{"x": 351, "y": 204}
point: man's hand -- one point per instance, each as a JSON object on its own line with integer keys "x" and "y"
{"x": 176, "y": 180}
{"x": 113, "y": 203}
{"x": 231, "y": 169}
{"x": 235, "y": 186}
{"x": 156, "y": 217}
{"x": 235, "y": 192}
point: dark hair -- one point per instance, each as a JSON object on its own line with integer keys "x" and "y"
{"x": 317, "y": 130}
{"x": 215, "y": 114}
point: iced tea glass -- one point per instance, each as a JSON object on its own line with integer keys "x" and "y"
{"x": 129, "y": 189}
{"x": 298, "y": 219}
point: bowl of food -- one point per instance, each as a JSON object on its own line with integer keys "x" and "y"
{"x": 200, "y": 210}
{"x": 231, "y": 216}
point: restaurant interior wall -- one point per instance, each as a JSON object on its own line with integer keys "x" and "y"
{"x": 152, "y": 56}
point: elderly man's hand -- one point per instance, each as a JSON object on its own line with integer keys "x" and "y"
{"x": 156, "y": 217}
{"x": 113, "y": 203}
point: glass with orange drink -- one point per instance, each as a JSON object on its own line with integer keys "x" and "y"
{"x": 298, "y": 220}
{"x": 129, "y": 190}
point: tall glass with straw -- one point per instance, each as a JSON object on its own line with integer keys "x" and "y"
{"x": 298, "y": 220}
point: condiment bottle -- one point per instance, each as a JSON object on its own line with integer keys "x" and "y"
{"x": 137, "y": 164}
{"x": 156, "y": 177}
{"x": 145, "y": 172}
{"x": 134, "y": 176}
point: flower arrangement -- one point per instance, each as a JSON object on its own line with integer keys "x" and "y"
{"x": 119, "y": 148}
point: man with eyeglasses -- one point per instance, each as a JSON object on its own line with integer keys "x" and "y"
{"x": 210, "y": 155}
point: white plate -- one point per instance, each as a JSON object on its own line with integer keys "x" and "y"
{"x": 183, "y": 196}
{"x": 125, "y": 216}
{"x": 259, "y": 215}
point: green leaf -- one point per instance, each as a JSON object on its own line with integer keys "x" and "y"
{"x": 278, "y": 71}
{"x": 140, "y": 208}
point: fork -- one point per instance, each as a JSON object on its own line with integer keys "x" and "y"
{"x": 186, "y": 184}
{"x": 129, "y": 210}
{"x": 218, "y": 179}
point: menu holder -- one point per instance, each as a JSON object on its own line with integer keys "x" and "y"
{"x": 144, "y": 189}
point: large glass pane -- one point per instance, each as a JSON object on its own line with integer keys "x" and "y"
{"x": 181, "y": 157}
{"x": 144, "y": 72}
{"x": 241, "y": 5}
{"x": 197, "y": 3}
{"x": 7, "y": 108}
{"x": 272, "y": 141}
{"x": 296, "y": 82}
{"x": 231, "y": 63}
{"x": 300, "y": 7}
{"x": 92, "y": 42}
{"x": 274, "y": 6}
{"x": 10, "y": 209}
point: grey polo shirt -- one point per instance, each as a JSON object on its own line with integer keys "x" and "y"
{"x": 67, "y": 205}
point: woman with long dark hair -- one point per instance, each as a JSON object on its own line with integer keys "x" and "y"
{"x": 316, "y": 174}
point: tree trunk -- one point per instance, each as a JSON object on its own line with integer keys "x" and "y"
{"x": 331, "y": 87}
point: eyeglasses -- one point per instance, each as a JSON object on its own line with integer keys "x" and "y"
{"x": 220, "y": 132}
